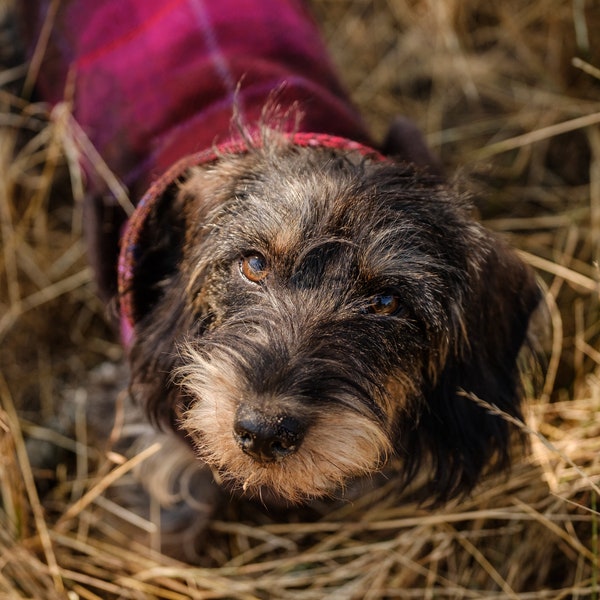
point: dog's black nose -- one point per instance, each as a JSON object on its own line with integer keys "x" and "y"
{"x": 267, "y": 439}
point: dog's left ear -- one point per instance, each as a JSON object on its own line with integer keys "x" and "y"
{"x": 462, "y": 437}
{"x": 156, "y": 310}
{"x": 405, "y": 143}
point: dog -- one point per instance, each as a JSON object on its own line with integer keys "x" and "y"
{"x": 300, "y": 307}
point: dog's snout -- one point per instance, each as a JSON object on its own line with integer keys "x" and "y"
{"x": 267, "y": 439}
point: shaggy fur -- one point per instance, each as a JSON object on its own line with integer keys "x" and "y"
{"x": 304, "y": 315}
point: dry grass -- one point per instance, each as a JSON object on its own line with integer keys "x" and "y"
{"x": 508, "y": 93}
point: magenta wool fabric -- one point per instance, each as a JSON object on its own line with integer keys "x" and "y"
{"x": 155, "y": 80}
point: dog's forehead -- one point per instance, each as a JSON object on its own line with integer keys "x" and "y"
{"x": 297, "y": 197}
{"x": 301, "y": 198}
{"x": 306, "y": 211}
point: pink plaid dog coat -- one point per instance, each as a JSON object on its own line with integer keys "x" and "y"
{"x": 155, "y": 80}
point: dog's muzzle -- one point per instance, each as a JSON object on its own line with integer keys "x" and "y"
{"x": 265, "y": 438}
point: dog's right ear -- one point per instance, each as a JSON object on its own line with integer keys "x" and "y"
{"x": 464, "y": 438}
{"x": 404, "y": 142}
{"x": 159, "y": 303}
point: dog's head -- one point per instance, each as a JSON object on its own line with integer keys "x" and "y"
{"x": 304, "y": 314}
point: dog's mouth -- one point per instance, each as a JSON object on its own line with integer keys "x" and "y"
{"x": 332, "y": 452}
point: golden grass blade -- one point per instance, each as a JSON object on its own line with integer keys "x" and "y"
{"x": 29, "y": 482}
{"x": 43, "y": 296}
{"x": 535, "y": 136}
{"x": 573, "y": 277}
{"x": 104, "y": 484}
{"x": 586, "y": 67}
{"x": 40, "y": 49}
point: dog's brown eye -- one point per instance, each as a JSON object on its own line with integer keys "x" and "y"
{"x": 254, "y": 267}
{"x": 384, "y": 304}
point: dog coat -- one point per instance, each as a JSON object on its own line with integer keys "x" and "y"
{"x": 152, "y": 81}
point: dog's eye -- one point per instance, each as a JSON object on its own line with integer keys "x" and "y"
{"x": 254, "y": 267}
{"x": 384, "y": 304}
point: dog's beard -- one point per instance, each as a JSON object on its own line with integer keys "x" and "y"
{"x": 339, "y": 446}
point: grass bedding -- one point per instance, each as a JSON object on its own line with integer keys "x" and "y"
{"x": 508, "y": 95}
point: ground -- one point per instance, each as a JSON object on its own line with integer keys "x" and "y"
{"x": 508, "y": 95}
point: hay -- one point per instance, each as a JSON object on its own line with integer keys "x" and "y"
{"x": 509, "y": 94}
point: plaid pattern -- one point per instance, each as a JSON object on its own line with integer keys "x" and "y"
{"x": 155, "y": 80}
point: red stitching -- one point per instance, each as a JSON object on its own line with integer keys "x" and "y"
{"x": 86, "y": 59}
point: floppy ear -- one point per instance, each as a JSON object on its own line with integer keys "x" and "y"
{"x": 161, "y": 309}
{"x": 158, "y": 304}
{"x": 159, "y": 253}
{"x": 462, "y": 437}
